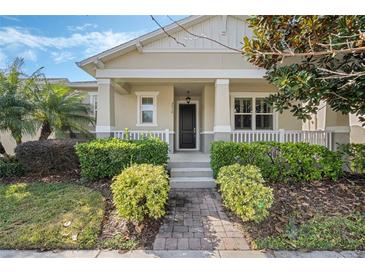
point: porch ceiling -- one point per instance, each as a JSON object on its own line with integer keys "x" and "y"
{"x": 194, "y": 88}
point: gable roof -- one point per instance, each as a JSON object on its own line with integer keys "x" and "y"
{"x": 144, "y": 39}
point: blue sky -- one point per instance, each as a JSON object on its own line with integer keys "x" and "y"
{"x": 57, "y": 42}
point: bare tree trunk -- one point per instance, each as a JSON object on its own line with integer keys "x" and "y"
{"x": 18, "y": 140}
{"x": 46, "y": 131}
{"x": 3, "y": 151}
{"x": 72, "y": 134}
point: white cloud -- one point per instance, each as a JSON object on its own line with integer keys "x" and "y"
{"x": 81, "y": 27}
{"x": 29, "y": 55}
{"x": 92, "y": 42}
{"x": 11, "y": 18}
{"x": 61, "y": 57}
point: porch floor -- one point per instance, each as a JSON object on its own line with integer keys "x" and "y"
{"x": 189, "y": 156}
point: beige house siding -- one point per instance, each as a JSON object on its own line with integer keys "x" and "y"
{"x": 212, "y": 26}
{"x": 357, "y": 134}
{"x": 126, "y": 108}
{"x": 179, "y": 60}
{"x": 207, "y": 117}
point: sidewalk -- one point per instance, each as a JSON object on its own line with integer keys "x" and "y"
{"x": 178, "y": 254}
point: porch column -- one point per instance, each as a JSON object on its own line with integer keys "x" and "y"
{"x": 339, "y": 125}
{"x": 222, "y": 121}
{"x": 105, "y": 121}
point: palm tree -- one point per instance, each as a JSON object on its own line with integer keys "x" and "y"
{"x": 14, "y": 105}
{"x": 57, "y": 108}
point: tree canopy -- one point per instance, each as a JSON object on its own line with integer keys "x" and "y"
{"x": 311, "y": 59}
{"x": 30, "y": 102}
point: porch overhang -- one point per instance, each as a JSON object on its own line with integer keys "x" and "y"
{"x": 181, "y": 73}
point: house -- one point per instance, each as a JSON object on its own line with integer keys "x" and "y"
{"x": 191, "y": 91}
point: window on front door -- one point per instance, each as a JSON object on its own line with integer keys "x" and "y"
{"x": 247, "y": 117}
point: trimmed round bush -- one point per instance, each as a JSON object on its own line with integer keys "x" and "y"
{"x": 141, "y": 191}
{"x": 48, "y": 156}
{"x": 244, "y": 193}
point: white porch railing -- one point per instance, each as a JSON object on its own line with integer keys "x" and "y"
{"x": 323, "y": 138}
{"x": 163, "y": 135}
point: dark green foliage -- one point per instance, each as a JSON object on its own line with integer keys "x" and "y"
{"x": 105, "y": 158}
{"x": 141, "y": 191}
{"x": 48, "y": 156}
{"x": 354, "y": 156}
{"x": 15, "y": 106}
{"x": 321, "y": 233}
{"x": 10, "y": 168}
{"x": 244, "y": 193}
{"x": 303, "y": 59}
{"x": 280, "y": 162}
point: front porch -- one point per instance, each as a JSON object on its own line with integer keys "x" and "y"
{"x": 189, "y": 114}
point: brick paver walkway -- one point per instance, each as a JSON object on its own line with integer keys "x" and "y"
{"x": 196, "y": 221}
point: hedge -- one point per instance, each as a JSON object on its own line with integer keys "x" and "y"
{"x": 280, "y": 162}
{"x": 48, "y": 156}
{"x": 10, "y": 168}
{"x": 105, "y": 158}
{"x": 243, "y": 192}
{"x": 141, "y": 191}
{"x": 354, "y": 157}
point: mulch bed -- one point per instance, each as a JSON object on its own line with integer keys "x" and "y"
{"x": 298, "y": 203}
{"x": 72, "y": 176}
{"x": 112, "y": 225}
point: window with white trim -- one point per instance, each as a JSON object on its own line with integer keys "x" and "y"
{"x": 247, "y": 117}
{"x": 93, "y": 101}
{"x": 147, "y": 107}
{"x": 264, "y": 114}
{"x": 147, "y": 110}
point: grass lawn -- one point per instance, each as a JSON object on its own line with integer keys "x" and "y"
{"x": 49, "y": 216}
{"x": 321, "y": 233}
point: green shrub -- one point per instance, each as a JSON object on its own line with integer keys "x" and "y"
{"x": 243, "y": 192}
{"x": 10, "y": 168}
{"x": 141, "y": 191}
{"x": 280, "y": 162}
{"x": 105, "y": 158}
{"x": 48, "y": 156}
{"x": 354, "y": 156}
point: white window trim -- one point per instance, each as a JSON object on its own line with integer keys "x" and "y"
{"x": 252, "y": 95}
{"x": 91, "y": 95}
{"x": 140, "y": 95}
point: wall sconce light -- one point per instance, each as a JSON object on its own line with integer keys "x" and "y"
{"x": 187, "y": 98}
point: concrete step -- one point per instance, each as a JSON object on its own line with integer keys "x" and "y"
{"x": 191, "y": 172}
{"x": 202, "y": 164}
{"x": 192, "y": 182}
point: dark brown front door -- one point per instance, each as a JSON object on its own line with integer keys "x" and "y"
{"x": 187, "y": 128}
